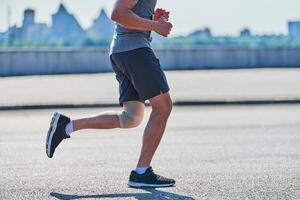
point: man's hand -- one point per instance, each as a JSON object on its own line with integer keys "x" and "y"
{"x": 123, "y": 15}
{"x": 163, "y": 27}
{"x": 159, "y": 12}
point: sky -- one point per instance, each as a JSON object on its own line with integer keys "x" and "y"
{"x": 224, "y": 17}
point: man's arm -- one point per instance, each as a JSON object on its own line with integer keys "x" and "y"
{"x": 123, "y": 15}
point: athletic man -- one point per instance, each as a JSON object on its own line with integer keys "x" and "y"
{"x": 140, "y": 78}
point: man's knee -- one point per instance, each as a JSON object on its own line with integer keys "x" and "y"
{"x": 164, "y": 106}
{"x": 165, "y": 109}
{"x": 132, "y": 115}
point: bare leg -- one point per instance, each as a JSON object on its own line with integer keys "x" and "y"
{"x": 161, "y": 109}
{"x": 130, "y": 117}
{"x": 105, "y": 120}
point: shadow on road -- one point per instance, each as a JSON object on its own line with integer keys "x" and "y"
{"x": 151, "y": 194}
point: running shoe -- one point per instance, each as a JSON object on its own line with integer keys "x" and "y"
{"x": 56, "y": 133}
{"x": 149, "y": 179}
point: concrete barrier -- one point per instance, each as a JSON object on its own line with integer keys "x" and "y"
{"x": 90, "y": 60}
{"x": 53, "y": 61}
{"x": 229, "y": 58}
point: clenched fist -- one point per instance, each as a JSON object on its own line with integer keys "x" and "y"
{"x": 159, "y": 12}
{"x": 163, "y": 27}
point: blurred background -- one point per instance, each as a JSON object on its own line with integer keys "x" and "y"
{"x": 234, "y": 71}
{"x": 53, "y": 36}
{"x": 257, "y": 42}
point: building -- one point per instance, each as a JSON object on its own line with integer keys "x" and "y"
{"x": 2, "y": 37}
{"x": 30, "y": 31}
{"x": 201, "y": 34}
{"x": 28, "y": 23}
{"x": 38, "y": 32}
{"x": 102, "y": 28}
{"x": 294, "y": 29}
{"x": 29, "y": 18}
{"x": 12, "y": 35}
{"x": 65, "y": 28}
{"x": 245, "y": 33}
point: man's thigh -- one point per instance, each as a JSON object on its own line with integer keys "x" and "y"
{"x": 144, "y": 72}
{"x": 127, "y": 91}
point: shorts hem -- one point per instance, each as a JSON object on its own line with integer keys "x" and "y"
{"x": 156, "y": 94}
{"x": 121, "y": 102}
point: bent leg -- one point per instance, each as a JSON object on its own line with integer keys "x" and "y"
{"x": 161, "y": 109}
{"x": 105, "y": 120}
{"x": 130, "y": 117}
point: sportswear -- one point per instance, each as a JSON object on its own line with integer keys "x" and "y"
{"x": 56, "y": 133}
{"x": 127, "y": 39}
{"x": 139, "y": 74}
{"x": 149, "y": 179}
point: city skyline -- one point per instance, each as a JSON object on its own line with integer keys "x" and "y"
{"x": 271, "y": 22}
{"x": 65, "y": 30}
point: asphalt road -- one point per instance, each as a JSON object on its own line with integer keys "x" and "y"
{"x": 239, "y": 152}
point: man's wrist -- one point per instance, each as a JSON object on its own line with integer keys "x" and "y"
{"x": 153, "y": 25}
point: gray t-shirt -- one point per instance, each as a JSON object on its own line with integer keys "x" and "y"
{"x": 126, "y": 39}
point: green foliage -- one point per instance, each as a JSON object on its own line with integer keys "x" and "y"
{"x": 103, "y": 42}
{"x": 227, "y": 41}
{"x": 177, "y": 42}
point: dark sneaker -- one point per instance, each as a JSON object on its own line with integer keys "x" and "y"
{"x": 56, "y": 133}
{"x": 149, "y": 179}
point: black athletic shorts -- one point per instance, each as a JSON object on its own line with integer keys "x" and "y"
{"x": 139, "y": 74}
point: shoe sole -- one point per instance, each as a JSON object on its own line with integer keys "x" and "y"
{"x": 140, "y": 185}
{"x": 51, "y": 132}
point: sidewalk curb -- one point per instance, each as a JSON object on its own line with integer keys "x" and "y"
{"x": 176, "y": 103}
